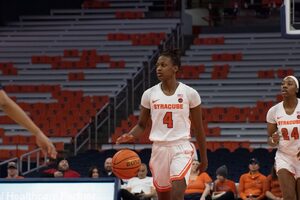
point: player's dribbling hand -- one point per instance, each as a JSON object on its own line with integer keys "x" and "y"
{"x": 46, "y": 145}
{"x": 275, "y": 138}
{"x": 127, "y": 137}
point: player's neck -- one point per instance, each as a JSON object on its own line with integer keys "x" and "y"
{"x": 290, "y": 102}
{"x": 169, "y": 87}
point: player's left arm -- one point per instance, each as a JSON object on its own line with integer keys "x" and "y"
{"x": 16, "y": 113}
{"x": 196, "y": 117}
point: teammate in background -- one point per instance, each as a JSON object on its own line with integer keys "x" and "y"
{"x": 283, "y": 131}
{"x": 170, "y": 104}
{"x": 16, "y": 113}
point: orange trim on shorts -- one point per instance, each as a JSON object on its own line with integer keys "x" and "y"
{"x": 161, "y": 188}
{"x": 185, "y": 169}
{"x": 157, "y": 187}
{"x": 182, "y": 173}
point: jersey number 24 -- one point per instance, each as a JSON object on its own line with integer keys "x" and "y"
{"x": 294, "y": 133}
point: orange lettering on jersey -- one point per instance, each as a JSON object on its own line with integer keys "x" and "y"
{"x": 168, "y": 106}
{"x": 289, "y": 122}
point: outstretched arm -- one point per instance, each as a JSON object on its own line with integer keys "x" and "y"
{"x": 196, "y": 116}
{"x": 18, "y": 115}
{"x": 138, "y": 129}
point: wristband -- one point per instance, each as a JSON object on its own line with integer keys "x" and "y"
{"x": 273, "y": 142}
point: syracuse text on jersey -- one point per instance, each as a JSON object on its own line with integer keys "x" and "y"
{"x": 289, "y": 122}
{"x": 168, "y": 106}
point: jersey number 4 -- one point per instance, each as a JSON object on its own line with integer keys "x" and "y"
{"x": 168, "y": 119}
{"x": 294, "y": 134}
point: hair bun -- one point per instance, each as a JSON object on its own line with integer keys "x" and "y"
{"x": 174, "y": 54}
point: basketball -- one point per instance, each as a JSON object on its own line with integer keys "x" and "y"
{"x": 126, "y": 164}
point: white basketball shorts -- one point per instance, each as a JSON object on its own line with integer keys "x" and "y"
{"x": 170, "y": 161}
{"x": 285, "y": 161}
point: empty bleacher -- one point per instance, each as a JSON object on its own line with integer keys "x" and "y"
{"x": 238, "y": 77}
{"x": 65, "y": 67}
{"x": 256, "y": 64}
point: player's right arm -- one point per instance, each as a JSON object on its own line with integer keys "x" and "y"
{"x": 138, "y": 129}
{"x": 273, "y": 136}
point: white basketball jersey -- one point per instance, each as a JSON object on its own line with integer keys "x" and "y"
{"x": 288, "y": 127}
{"x": 170, "y": 114}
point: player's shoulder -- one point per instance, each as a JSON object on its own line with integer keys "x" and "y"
{"x": 153, "y": 88}
{"x": 187, "y": 88}
{"x": 277, "y": 106}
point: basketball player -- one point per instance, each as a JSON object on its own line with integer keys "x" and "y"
{"x": 16, "y": 113}
{"x": 170, "y": 104}
{"x": 283, "y": 130}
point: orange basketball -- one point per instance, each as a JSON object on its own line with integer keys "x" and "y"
{"x": 126, "y": 164}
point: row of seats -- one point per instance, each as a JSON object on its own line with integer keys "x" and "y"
{"x": 280, "y": 73}
{"x": 94, "y": 4}
{"x": 139, "y": 39}
{"x": 63, "y": 118}
{"x": 237, "y": 97}
{"x": 277, "y": 3}
{"x": 130, "y": 15}
{"x": 190, "y": 72}
{"x": 209, "y": 41}
{"x": 88, "y": 59}
{"x": 8, "y": 69}
{"x": 68, "y": 69}
{"x": 222, "y": 71}
{"x": 227, "y": 57}
{"x": 19, "y": 145}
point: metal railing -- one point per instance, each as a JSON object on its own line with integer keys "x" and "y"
{"x": 137, "y": 84}
{"x": 82, "y": 138}
{"x": 119, "y": 100}
{"x": 27, "y": 157}
{"x": 102, "y": 117}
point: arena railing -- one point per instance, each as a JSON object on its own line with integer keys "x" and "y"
{"x": 28, "y": 158}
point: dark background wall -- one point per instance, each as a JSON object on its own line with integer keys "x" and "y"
{"x": 10, "y": 10}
